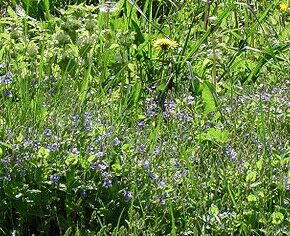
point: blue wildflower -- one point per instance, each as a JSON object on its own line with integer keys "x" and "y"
{"x": 75, "y": 151}
{"x": 48, "y": 132}
{"x": 53, "y": 147}
{"x": 54, "y": 178}
{"x": 127, "y": 196}
{"x": 19, "y": 163}
{"x": 83, "y": 193}
{"x": 107, "y": 183}
{"x": 5, "y": 161}
{"x": 231, "y": 153}
{"x": 117, "y": 142}
{"x": 8, "y": 94}
{"x": 161, "y": 201}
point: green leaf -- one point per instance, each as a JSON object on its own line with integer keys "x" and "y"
{"x": 216, "y": 135}
{"x": 208, "y": 99}
{"x": 251, "y": 177}
{"x": 86, "y": 162}
{"x": 277, "y": 218}
{"x": 19, "y": 138}
{"x": 43, "y": 152}
{"x": 251, "y": 198}
{"x": 214, "y": 210}
{"x": 5, "y": 145}
{"x": 72, "y": 160}
{"x": 117, "y": 169}
{"x": 139, "y": 38}
{"x": 195, "y": 80}
{"x": 259, "y": 164}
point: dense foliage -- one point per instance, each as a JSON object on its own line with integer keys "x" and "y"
{"x": 144, "y": 118}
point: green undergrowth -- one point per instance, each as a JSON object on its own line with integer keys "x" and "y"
{"x": 144, "y": 118}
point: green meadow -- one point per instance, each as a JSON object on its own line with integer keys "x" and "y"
{"x": 153, "y": 117}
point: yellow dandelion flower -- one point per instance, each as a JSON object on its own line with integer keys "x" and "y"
{"x": 164, "y": 44}
{"x": 284, "y": 6}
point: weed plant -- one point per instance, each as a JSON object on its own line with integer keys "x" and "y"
{"x": 144, "y": 118}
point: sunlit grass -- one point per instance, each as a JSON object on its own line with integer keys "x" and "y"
{"x": 154, "y": 118}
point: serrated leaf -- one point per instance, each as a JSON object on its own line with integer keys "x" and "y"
{"x": 117, "y": 169}
{"x": 43, "y": 152}
{"x": 214, "y": 210}
{"x": 71, "y": 160}
{"x": 259, "y": 164}
{"x": 252, "y": 198}
{"x": 251, "y": 176}
{"x": 216, "y": 135}
{"x": 277, "y": 218}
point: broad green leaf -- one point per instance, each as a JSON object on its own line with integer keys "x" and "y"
{"x": 43, "y": 152}
{"x": 251, "y": 176}
{"x": 139, "y": 38}
{"x": 208, "y": 99}
{"x": 214, "y": 210}
{"x": 259, "y": 164}
{"x": 216, "y": 135}
{"x": 252, "y": 198}
{"x": 277, "y": 218}
{"x": 117, "y": 169}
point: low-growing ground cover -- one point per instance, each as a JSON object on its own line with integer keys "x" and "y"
{"x": 145, "y": 118}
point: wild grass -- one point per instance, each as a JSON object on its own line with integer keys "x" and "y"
{"x": 104, "y": 134}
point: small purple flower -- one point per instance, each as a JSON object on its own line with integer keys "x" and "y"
{"x": 54, "y": 178}
{"x": 260, "y": 146}
{"x": 52, "y": 91}
{"x": 146, "y": 166}
{"x": 161, "y": 201}
{"x": 52, "y": 79}
{"x": 152, "y": 175}
{"x": 89, "y": 122}
{"x": 90, "y": 150}
{"x": 103, "y": 166}
{"x": 160, "y": 182}
{"x": 141, "y": 123}
{"x": 176, "y": 164}
{"x": 48, "y": 132}
{"x": 7, "y": 78}
{"x": 100, "y": 154}
{"x": 53, "y": 147}
{"x": 117, "y": 142}
{"x": 75, "y": 118}
{"x": 107, "y": 183}
{"x": 141, "y": 148}
{"x": 170, "y": 106}
{"x": 184, "y": 171}
{"x": 150, "y": 112}
{"x": 98, "y": 139}
{"x": 19, "y": 163}
{"x": 8, "y": 94}
{"x": 106, "y": 175}
{"x": 95, "y": 166}
{"x": 7, "y": 176}
{"x": 83, "y": 193}
{"x": 231, "y": 153}
{"x": 127, "y": 196}
{"x": 75, "y": 151}
{"x": 190, "y": 100}
{"x": 156, "y": 150}
{"x": 5, "y": 161}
